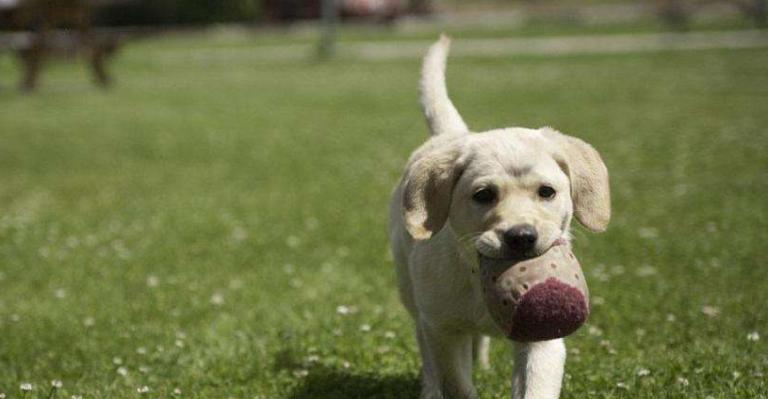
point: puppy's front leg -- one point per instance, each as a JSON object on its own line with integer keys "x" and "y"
{"x": 447, "y": 368}
{"x": 539, "y": 369}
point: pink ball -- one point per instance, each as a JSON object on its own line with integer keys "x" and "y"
{"x": 536, "y": 299}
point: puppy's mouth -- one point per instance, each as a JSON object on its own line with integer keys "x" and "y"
{"x": 504, "y": 254}
{"x": 512, "y": 257}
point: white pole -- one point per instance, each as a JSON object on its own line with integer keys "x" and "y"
{"x": 329, "y": 14}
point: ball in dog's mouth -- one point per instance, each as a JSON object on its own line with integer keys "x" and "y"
{"x": 536, "y": 299}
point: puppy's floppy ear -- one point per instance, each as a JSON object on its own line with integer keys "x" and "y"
{"x": 428, "y": 185}
{"x": 589, "y": 179}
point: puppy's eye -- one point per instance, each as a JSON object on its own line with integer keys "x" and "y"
{"x": 547, "y": 192}
{"x": 484, "y": 196}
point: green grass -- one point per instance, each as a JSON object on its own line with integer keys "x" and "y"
{"x": 198, "y": 225}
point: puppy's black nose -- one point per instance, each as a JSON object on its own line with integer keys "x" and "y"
{"x": 521, "y": 238}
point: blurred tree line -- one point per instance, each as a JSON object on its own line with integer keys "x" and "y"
{"x": 199, "y": 12}
{"x": 177, "y": 12}
{"x": 29, "y": 14}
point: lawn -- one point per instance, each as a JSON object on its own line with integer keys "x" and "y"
{"x": 219, "y": 227}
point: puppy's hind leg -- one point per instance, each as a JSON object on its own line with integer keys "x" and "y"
{"x": 481, "y": 345}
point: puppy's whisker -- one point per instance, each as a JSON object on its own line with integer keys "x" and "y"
{"x": 469, "y": 237}
{"x": 471, "y": 234}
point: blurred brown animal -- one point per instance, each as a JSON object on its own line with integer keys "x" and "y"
{"x": 41, "y": 18}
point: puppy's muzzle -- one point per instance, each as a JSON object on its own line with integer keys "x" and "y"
{"x": 536, "y": 299}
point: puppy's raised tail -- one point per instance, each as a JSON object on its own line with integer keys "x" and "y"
{"x": 442, "y": 116}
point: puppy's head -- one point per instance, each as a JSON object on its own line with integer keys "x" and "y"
{"x": 506, "y": 194}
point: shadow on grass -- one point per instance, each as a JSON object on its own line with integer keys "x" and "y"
{"x": 324, "y": 382}
{"x": 342, "y": 384}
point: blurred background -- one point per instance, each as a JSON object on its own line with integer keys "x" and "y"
{"x": 35, "y": 29}
{"x": 193, "y": 193}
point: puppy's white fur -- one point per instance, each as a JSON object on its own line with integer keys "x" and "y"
{"x": 438, "y": 231}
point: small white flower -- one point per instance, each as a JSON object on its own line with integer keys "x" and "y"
{"x": 142, "y": 389}
{"x": 346, "y": 364}
{"x": 365, "y": 327}
{"x": 217, "y": 299}
{"x": 239, "y": 234}
{"x": 72, "y": 242}
{"x": 152, "y": 281}
{"x": 313, "y": 358}
{"x": 311, "y": 223}
{"x": 2, "y": 395}
{"x": 181, "y": 335}
{"x": 671, "y": 318}
{"x": 122, "y": 371}
{"x": 645, "y": 271}
{"x": 389, "y": 334}
{"x": 60, "y": 293}
{"x": 300, "y": 373}
{"x": 342, "y": 252}
{"x": 296, "y": 283}
{"x": 89, "y": 321}
{"x": 595, "y": 331}
{"x": 117, "y": 361}
{"x": 176, "y": 391}
{"x": 76, "y": 397}
{"x": 141, "y": 350}
{"x": 643, "y": 372}
{"x": 293, "y": 241}
{"x": 622, "y": 385}
{"x": 710, "y": 311}
{"x": 753, "y": 336}
{"x": 25, "y": 386}
{"x": 144, "y": 369}
{"x": 647, "y": 233}
{"x": 236, "y": 284}
{"x": 342, "y": 309}
{"x": 327, "y": 267}
{"x": 598, "y": 300}
{"x": 683, "y": 381}
{"x": 179, "y": 343}
{"x": 57, "y": 384}
{"x": 337, "y": 332}
{"x": 736, "y": 375}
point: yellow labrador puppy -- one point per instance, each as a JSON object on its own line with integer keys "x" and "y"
{"x": 501, "y": 194}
